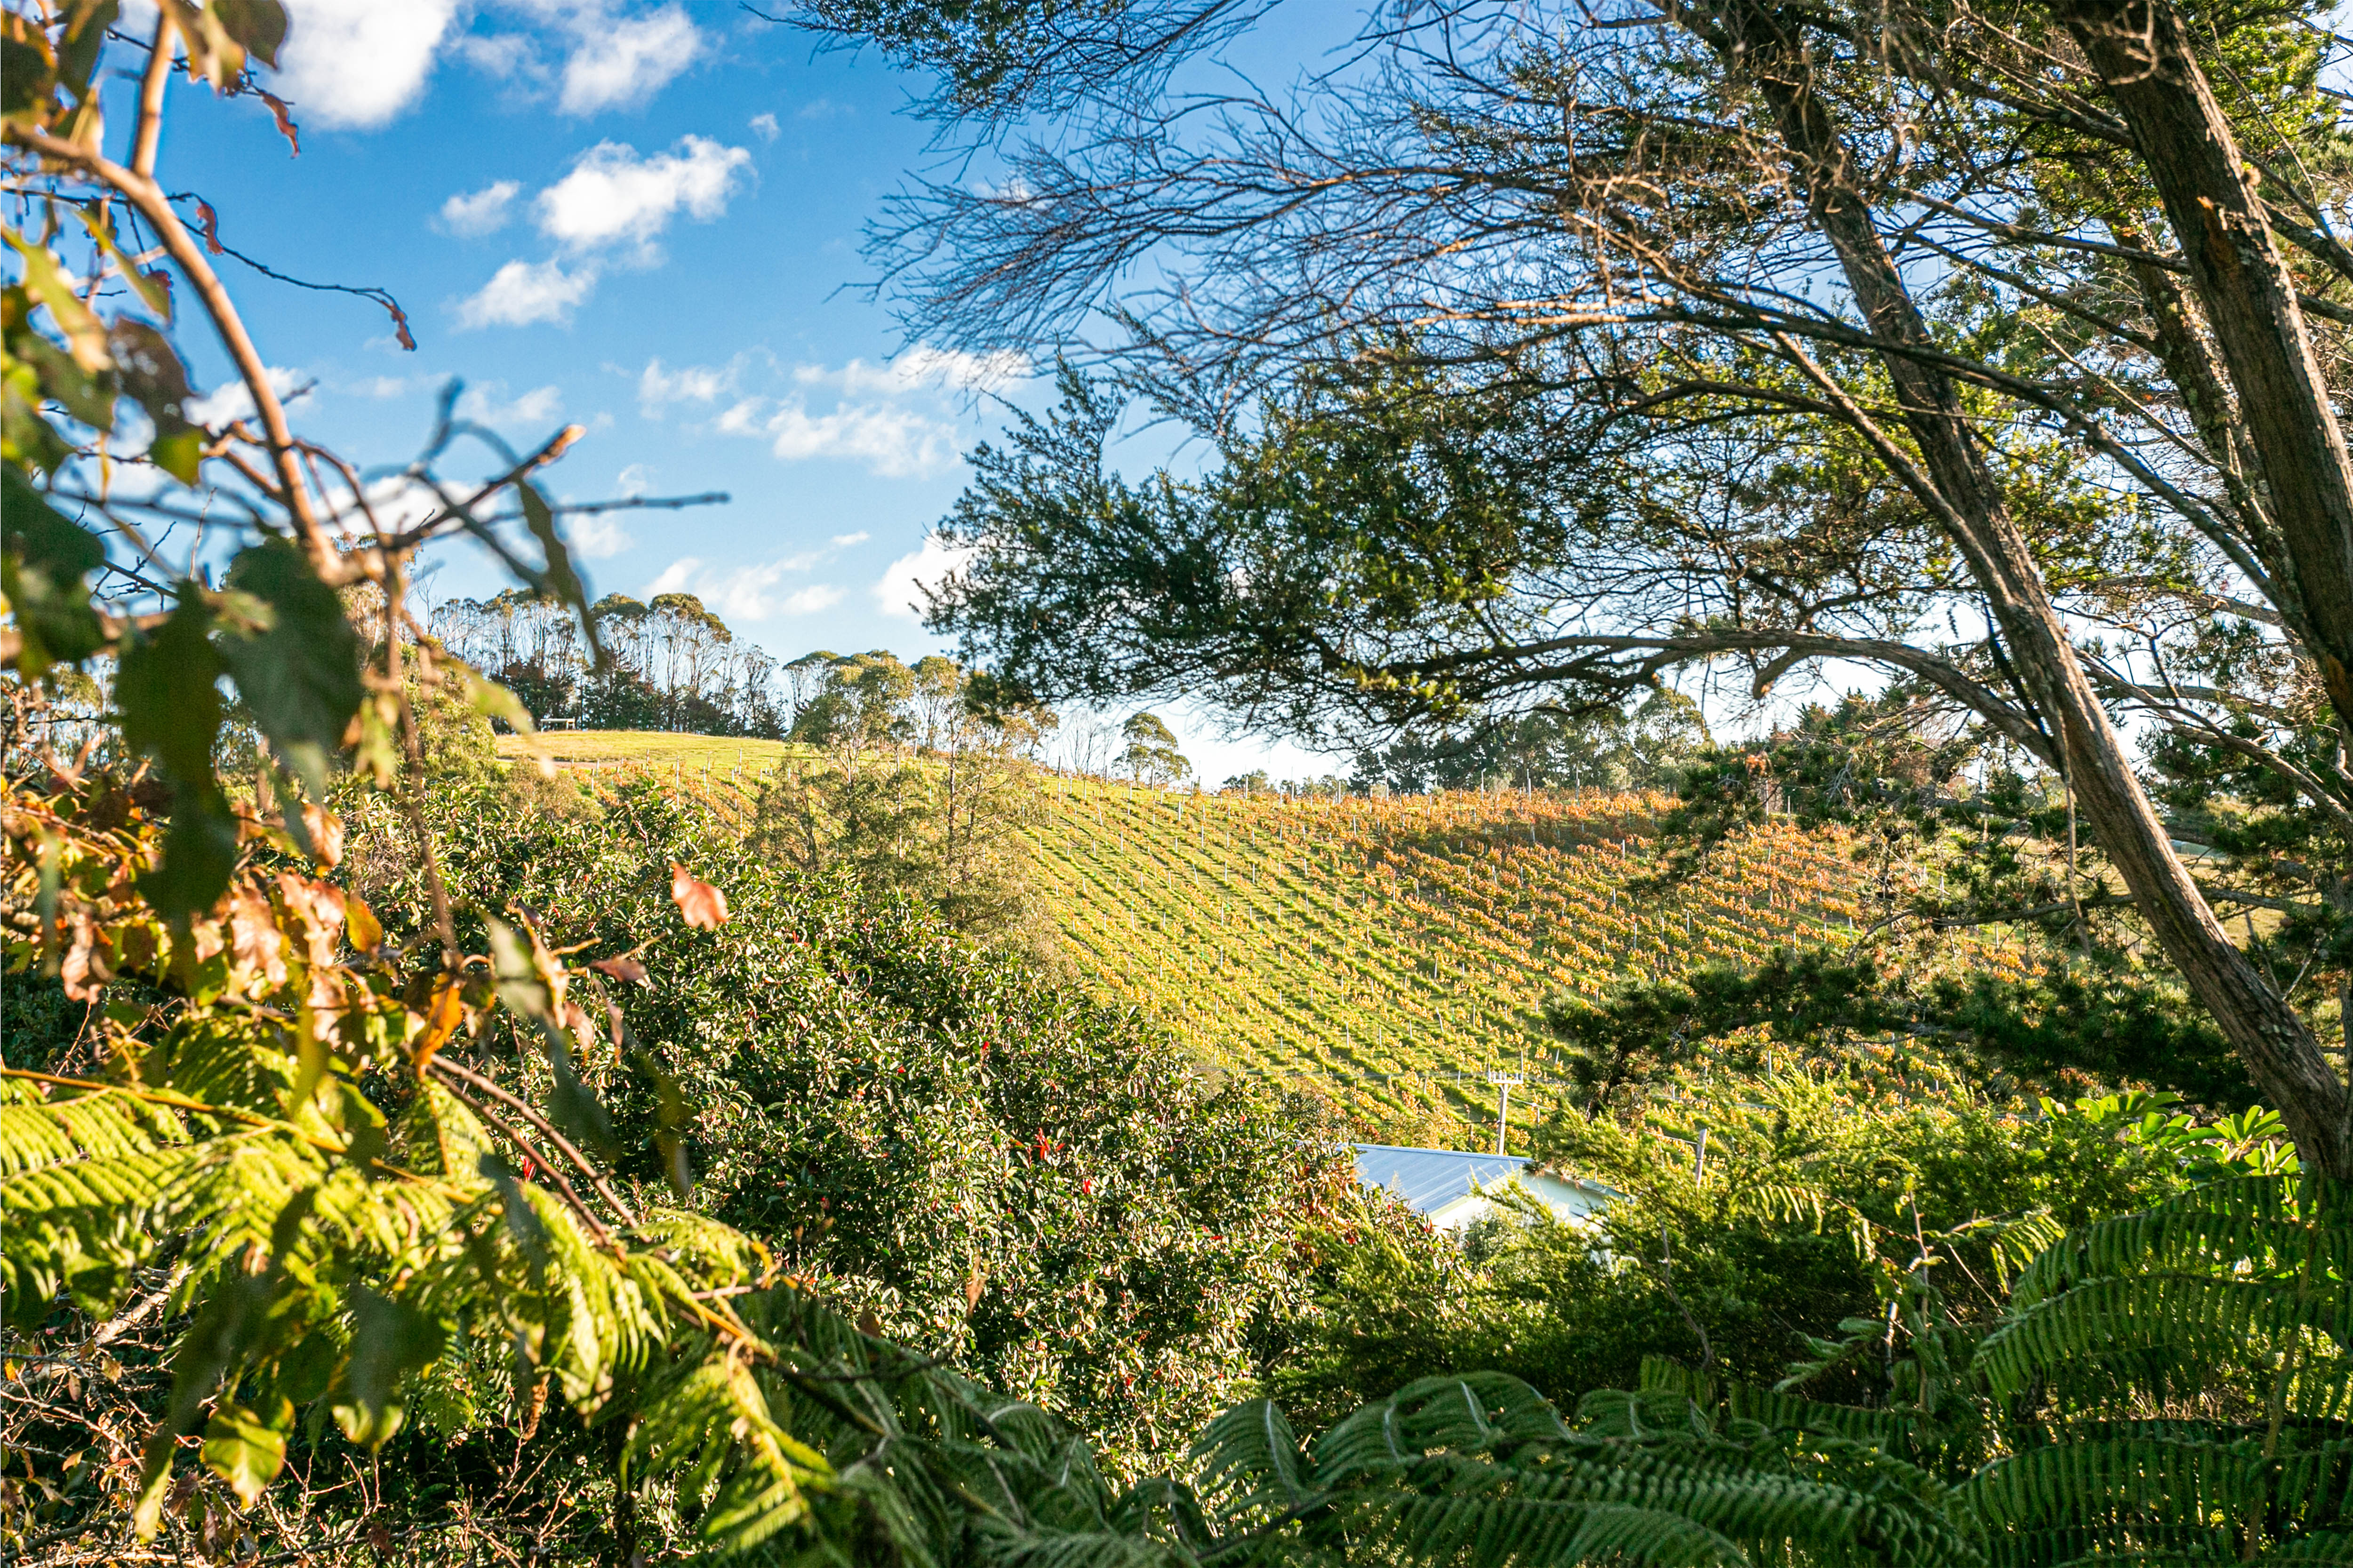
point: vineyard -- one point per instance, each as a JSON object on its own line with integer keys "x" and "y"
{"x": 1392, "y": 953}
{"x": 1389, "y": 954}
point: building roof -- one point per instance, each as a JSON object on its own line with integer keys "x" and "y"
{"x": 1430, "y": 1179}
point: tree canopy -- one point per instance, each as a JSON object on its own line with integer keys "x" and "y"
{"x": 1547, "y": 355}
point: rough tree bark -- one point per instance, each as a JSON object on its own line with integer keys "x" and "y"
{"x": 2249, "y": 296}
{"x": 2282, "y": 1055}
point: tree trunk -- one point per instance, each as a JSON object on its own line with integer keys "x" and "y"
{"x": 2282, "y": 1055}
{"x": 2187, "y": 152}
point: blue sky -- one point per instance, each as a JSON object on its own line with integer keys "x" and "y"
{"x": 644, "y": 219}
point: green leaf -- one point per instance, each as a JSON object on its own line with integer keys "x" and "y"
{"x": 213, "y": 55}
{"x": 258, "y": 25}
{"x": 152, "y": 375}
{"x": 492, "y": 701}
{"x": 25, "y": 78}
{"x": 85, "y": 35}
{"x": 244, "y": 1451}
{"x": 97, "y": 219}
{"x": 560, "y": 574}
{"x": 26, "y": 439}
{"x": 87, "y": 395}
{"x": 390, "y": 1339}
{"x": 43, "y": 559}
{"x": 219, "y": 1340}
{"x": 300, "y": 672}
{"x": 199, "y": 854}
{"x": 167, "y": 689}
{"x": 85, "y": 338}
{"x": 168, "y": 693}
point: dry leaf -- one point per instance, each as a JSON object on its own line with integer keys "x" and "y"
{"x": 442, "y": 1017}
{"x": 84, "y": 972}
{"x": 703, "y": 905}
{"x": 326, "y": 830}
{"x": 256, "y": 943}
{"x": 366, "y": 930}
{"x": 627, "y": 968}
{"x": 321, "y": 910}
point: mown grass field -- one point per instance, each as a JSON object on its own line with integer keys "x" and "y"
{"x": 1388, "y": 953}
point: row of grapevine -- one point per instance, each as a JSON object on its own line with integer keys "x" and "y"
{"x": 1392, "y": 953}
{"x": 1395, "y": 952}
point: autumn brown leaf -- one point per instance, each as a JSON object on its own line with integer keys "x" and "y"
{"x": 703, "y": 905}
{"x": 630, "y": 968}
{"x": 442, "y": 1017}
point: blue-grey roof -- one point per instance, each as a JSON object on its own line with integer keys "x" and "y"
{"x": 1430, "y": 1179}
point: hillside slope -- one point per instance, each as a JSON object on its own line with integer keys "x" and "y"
{"x": 1388, "y": 954}
{"x": 1392, "y": 953}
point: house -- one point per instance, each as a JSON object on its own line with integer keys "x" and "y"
{"x": 1450, "y": 1189}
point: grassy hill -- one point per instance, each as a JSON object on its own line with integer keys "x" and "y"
{"x": 1387, "y": 953}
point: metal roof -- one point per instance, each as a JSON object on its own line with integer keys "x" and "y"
{"x": 1430, "y": 1179}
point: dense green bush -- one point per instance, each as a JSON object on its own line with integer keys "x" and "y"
{"x": 980, "y": 1164}
{"x": 1816, "y": 1196}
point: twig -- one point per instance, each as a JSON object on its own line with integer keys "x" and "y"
{"x": 475, "y": 1080}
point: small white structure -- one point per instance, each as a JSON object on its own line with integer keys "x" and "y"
{"x": 1452, "y": 1189}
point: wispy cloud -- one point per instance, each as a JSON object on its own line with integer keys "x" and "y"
{"x": 901, "y": 591}
{"x": 488, "y": 403}
{"x": 750, "y": 592}
{"x": 659, "y": 387}
{"x": 523, "y": 292}
{"x": 609, "y": 209}
{"x": 921, "y": 368}
{"x": 893, "y": 441}
{"x": 231, "y": 401}
{"x": 615, "y": 197}
{"x": 897, "y": 419}
{"x": 620, "y": 63}
{"x": 481, "y": 212}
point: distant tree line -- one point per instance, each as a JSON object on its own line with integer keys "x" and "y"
{"x": 670, "y": 663}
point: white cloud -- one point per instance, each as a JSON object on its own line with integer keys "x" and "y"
{"x": 764, "y": 126}
{"x": 756, "y": 591}
{"x": 597, "y": 536}
{"x": 746, "y": 592}
{"x": 658, "y": 387}
{"x": 921, "y": 368}
{"x": 890, "y": 441}
{"x": 358, "y": 63}
{"x": 481, "y": 212}
{"x": 614, "y": 195}
{"x": 487, "y": 404}
{"x": 621, "y": 64}
{"x": 397, "y": 501}
{"x": 523, "y": 292}
{"x": 819, "y": 108}
{"x": 890, "y": 417}
{"x": 499, "y": 55}
{"x": 844, "y": 540}
{"x": 743, "y": 418}
{"x": 385, "y": 386}
{"x": 634, "y": 479}
{"x": 808, "y": 601}
{"x": 901, "y": 591}
{"x": 230, "y": 400}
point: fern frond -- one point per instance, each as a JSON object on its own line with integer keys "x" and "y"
{"x": 2171, "y": 1325}
{"x": 1250, "y": 1462}
{"x": 1468, "y": 1414}
{"x": 2257, "y": 1224}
